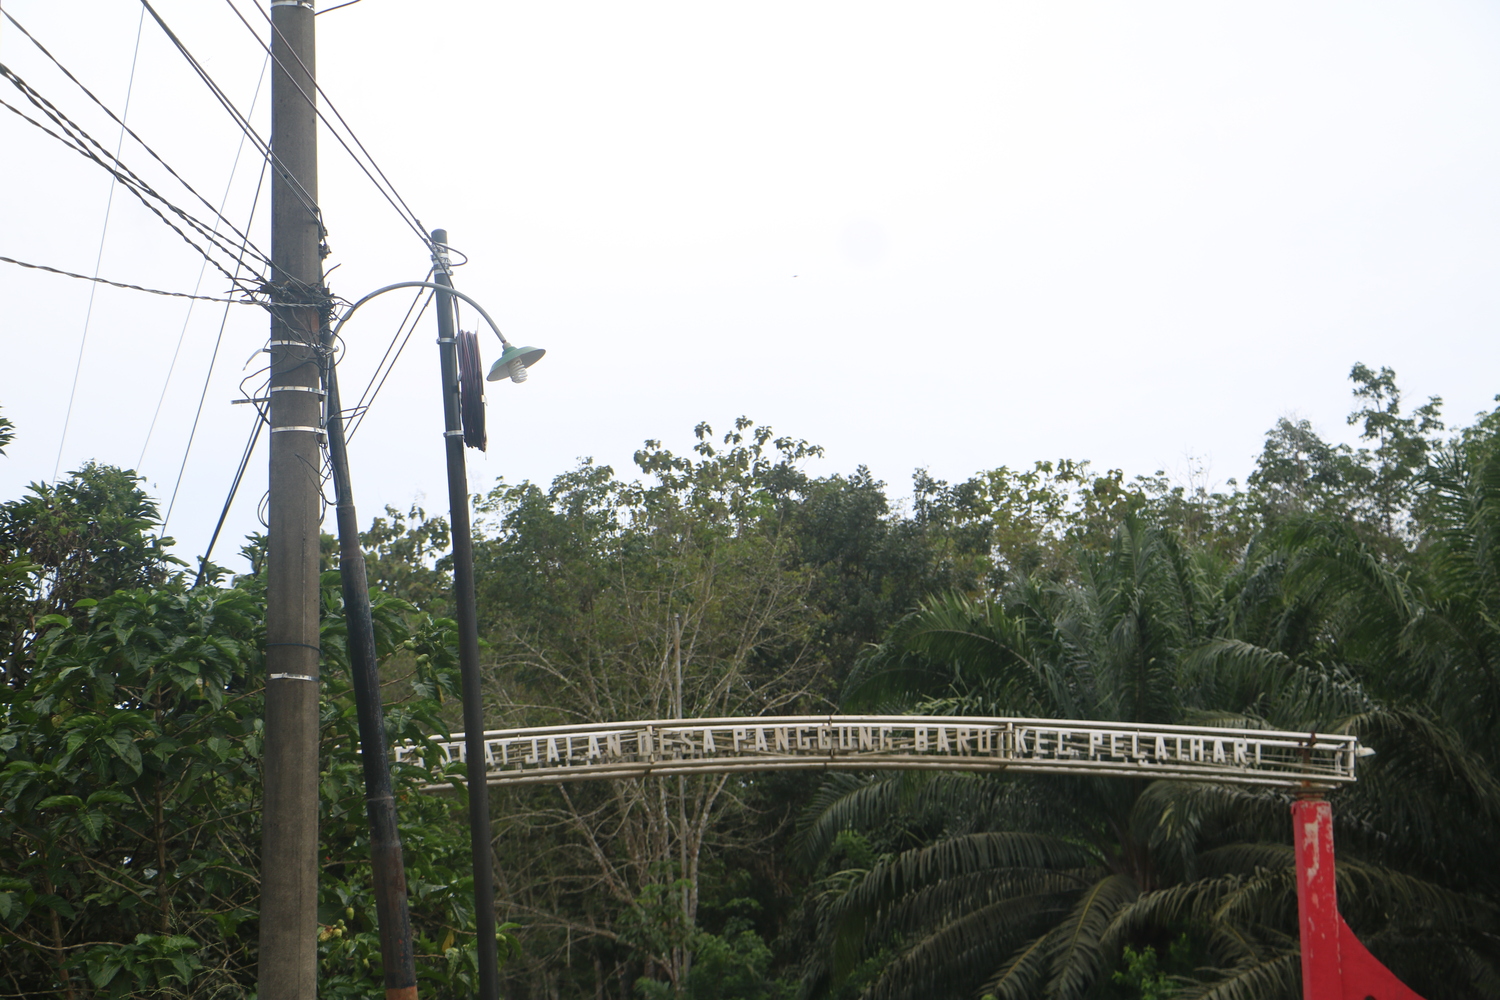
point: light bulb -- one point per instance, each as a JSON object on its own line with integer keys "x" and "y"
{"x": 517, "y": 370}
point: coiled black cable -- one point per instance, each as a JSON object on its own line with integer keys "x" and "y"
{"x": 471, "y": 390}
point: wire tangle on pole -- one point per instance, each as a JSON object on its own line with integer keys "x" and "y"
{"x": 213, "y": 358}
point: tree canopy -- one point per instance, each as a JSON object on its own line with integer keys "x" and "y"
{"x": 1341, "y": 587}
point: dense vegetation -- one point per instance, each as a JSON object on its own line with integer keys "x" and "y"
{"x": 1339, "y": 588}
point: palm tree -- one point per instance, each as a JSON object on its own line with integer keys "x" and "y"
{"x": 1029, "y": 886}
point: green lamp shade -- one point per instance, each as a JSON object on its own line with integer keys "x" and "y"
{"x": 528, "y": 356}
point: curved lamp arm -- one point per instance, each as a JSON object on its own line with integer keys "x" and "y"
{"x": 416, "y": 284}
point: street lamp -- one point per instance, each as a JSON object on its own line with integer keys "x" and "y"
{"x": 386, "y": 855}
{"x": 513, "y": 363}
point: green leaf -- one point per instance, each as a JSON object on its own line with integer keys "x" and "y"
{"x": 109, "y": 795}
{"x": 60, "y": 801}
{"x": 93, "y": 823}
{"x": 101, "y": 974}
{"x": 125, "y": 749}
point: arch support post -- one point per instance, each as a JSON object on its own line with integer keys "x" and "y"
{"x": 1335, "y": 966}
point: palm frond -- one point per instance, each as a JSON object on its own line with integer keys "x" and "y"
{"x": 1020, "y": 976}
{"x": 850, "y": 802}
{"x": 1080, "y": 958}
{"x": 956, "y": 953}
{"x": 1275, "y": 978}
{"x": 960, "y": 857}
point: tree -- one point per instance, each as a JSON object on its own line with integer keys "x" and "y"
{"x": 129, "y": 790}
{"x": 1300, "y": 474}
{"x": 80, "y": 539}
{"x": 587, "y": 587}
{"x": 1012, "y": 883}
{"x": 1024, "y": 887}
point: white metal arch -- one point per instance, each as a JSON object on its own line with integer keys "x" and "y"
{"x": 549, "y": 754}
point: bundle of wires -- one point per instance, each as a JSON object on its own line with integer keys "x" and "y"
{"x": 471, "y": 390}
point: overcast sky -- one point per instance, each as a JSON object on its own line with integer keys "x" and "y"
{"x": 949, "y": 235}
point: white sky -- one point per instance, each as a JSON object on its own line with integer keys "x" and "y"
{"x": 952, "y": 235}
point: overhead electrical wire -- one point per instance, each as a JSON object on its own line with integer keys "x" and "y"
{"x": 383, "y": 185}
{"x": 78, "y": 139}
{"x": 126, "y": 285}
{"x": 144, "y": 192}
{"x": 203, "y": 394}
{"x": 234, "y": 487}
{"x": 372, "y": 388}
{"x": 88, "y": 313}
{"x": 297, "y": 188}
{"x": 166, "y": 382}
{"x": 218, "y": 212}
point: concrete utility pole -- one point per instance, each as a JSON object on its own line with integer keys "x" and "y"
{"x": 289, "y": 851}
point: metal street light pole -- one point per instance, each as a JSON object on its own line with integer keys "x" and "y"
{"x": 513, "y": 363}
{"x": 467, "y": 615}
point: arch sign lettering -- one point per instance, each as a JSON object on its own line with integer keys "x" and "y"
{"x": 904, "y": 742}
{"x": 1335, "y": 965}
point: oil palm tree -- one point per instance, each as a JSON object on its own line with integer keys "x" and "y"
{"x": 1032, "y": 887}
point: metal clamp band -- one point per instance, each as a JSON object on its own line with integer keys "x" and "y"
{"x": 297, "y": 427}
{"x": 288, "y": 343}
{"x": 297, "y": 388}
{"x": 291, "y": 3}
{"x": 293, "y": 677}
{"x": 453, "y": 434}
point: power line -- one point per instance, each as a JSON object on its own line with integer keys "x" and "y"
{"x": 193, "y": 432}
{"x": 203, "y": 268}
{"x": 79, "y": 140}
{"x": 234, "y": 488}
{"x": 361, "y": 407}
{"x": 132, "y": 182}
{"x": 133, "y": 288}
{"x": 131, "y": 132}
{"x": 98, "y": 259}
{"x": 294, "y": 185}
{"x": 387, "y": 190}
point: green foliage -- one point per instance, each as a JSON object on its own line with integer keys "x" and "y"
{"x": 1360, "y": 602}
{"x": 129, "y": 803}
{"x": 1144, "y": 976}
{"x": 1343, "y": 587}
{"x": 404, "y": 558}
{"x": 80, "y": 539}
{"x": 7, "y": 433}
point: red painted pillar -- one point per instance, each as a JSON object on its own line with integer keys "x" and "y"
{"x": 1317, "y": 900}
{"x": 1335, "y": 966}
